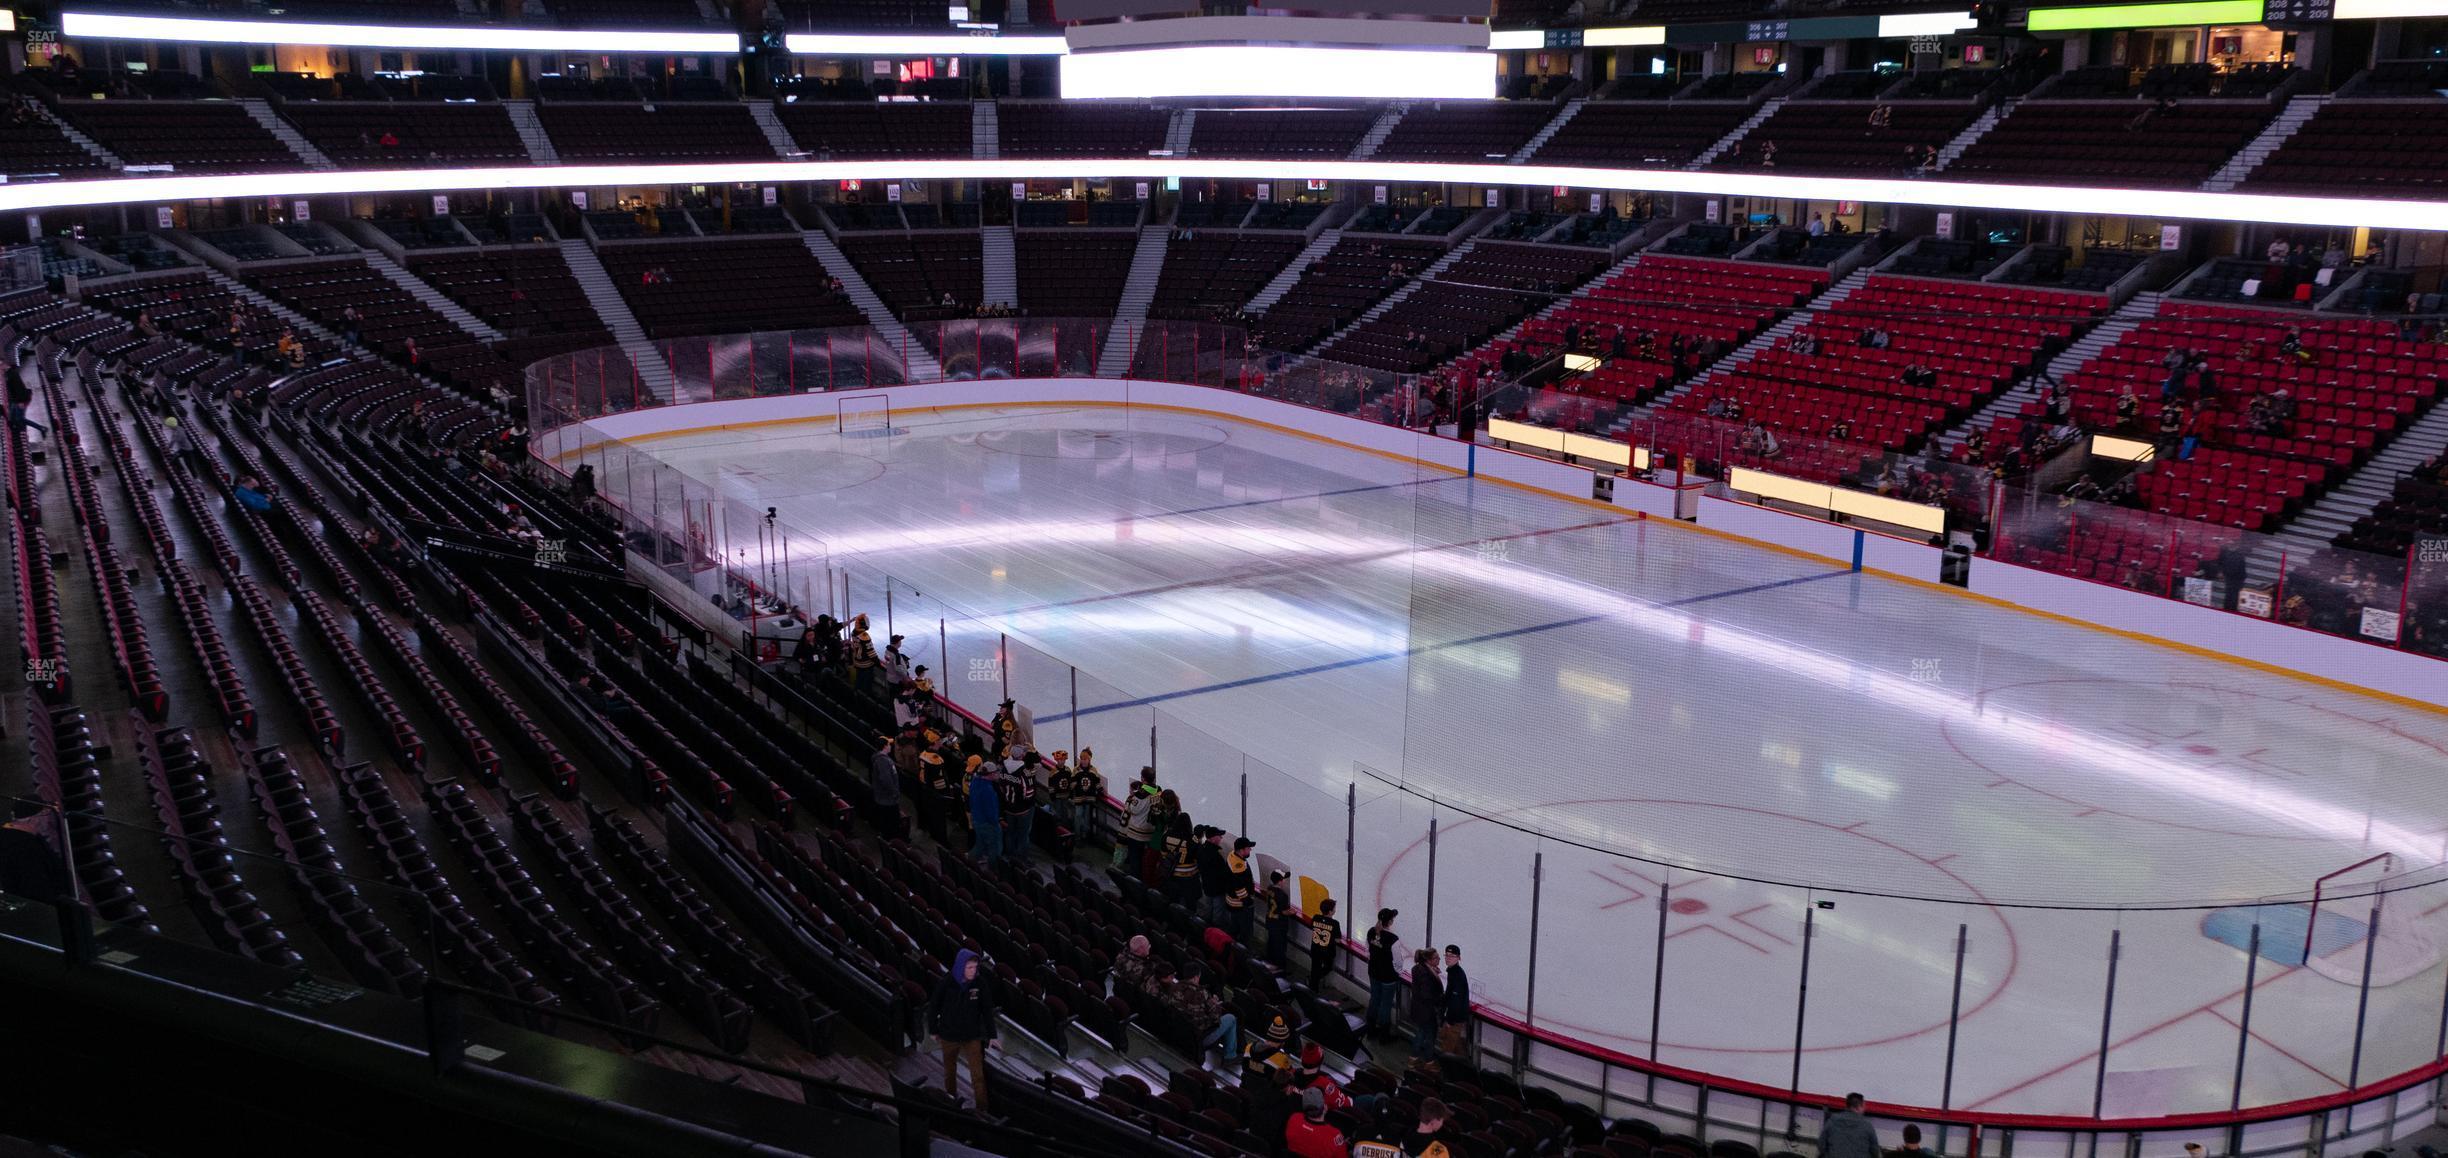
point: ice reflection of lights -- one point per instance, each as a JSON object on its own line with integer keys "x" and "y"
{"x": 2045, "y": 739}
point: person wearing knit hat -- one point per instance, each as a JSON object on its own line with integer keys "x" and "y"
{"x": 985, "y": 814}
{"x": 1087, "y": 797}
{"x": 963, "y": 1012}
{"x": 1240, "y": 906}
{"x": 934, "y": 792}
{"x": 1277, "y": 904}
{"x": 864, "y": 663}
{"x": 1306, "y": 1134}
{"x": 1018, "y": 786}
{"x": 1270, "y": 1099}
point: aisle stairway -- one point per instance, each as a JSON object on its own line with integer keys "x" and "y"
{"x": 261, "y": 111}
{"x": 424, "y": 291}
{"x": 1147, "y": 264}
{"x": 531, "y": 132}
{"x": 1765, "y": 339}
{"x": 652, "y": 373}
{"x": 2298, "y": 110}
{"x": 2138, "y": 309}
{"x": 1001, "y": 285}
{"x": 923, "y": 366}
{"x": 1285, "y": 278}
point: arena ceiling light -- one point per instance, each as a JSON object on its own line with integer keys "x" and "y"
{"x": 1632, "y": 36}
{"x": 2149, "y": 204}
{"x": 1258, "y": 70}
{"x": 1519, "y": 38}
{"x": 1924, "y": 24}
{"x": 2389, "y": 9}
{"x": 2145, "y": 15}
{"x": 808, "y": 44}
{"x": 474, "y": 38}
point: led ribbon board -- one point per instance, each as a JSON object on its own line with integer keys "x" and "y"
{"x": 1258, "y": 70}
{"x": 2159, "y": 204}
{"x": 2145, "y": 15}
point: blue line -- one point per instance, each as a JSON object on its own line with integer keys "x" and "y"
{"x": 1360, "y": 660}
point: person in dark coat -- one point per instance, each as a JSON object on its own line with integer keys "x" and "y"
{"x": 1385, "y": 977}
{"x": 884, "y": 786}
{"x": 1847, "y": 1134}
{"x": 1215, "y": 877}
{"x": 1457, "y": 1002}
{"x": 1427, "y": 1001}
{"x": 964, "y": 1016}
{"x": 985, "y": 814}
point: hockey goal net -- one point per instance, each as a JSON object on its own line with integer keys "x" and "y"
{"x": 865, "y": 413}
{"x": 2372, "y": 912}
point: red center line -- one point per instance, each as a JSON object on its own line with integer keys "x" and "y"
{"x": 2283, "y": 1051}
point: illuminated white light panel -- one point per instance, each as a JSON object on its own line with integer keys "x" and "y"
{"x": 1257, "y": 70}
{"x": 1923, "y": 24}
{"x": 881, "y": 46}
{"x": 1517, "y": 38}
{"x": 75, "y": 25}
{"x": 2160, "y": 204}
{"x": 2389, "y": 9}
{"x": 1630, "y": 37}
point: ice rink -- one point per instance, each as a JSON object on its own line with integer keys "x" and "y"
{"x": 1647, "y": 707}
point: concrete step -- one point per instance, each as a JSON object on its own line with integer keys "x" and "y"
{"x": 1147, "y": 265}
{"x": 922, "y": 366}
{"x": 1001, "y": 283}
{"x": 653, "y": 374}
{"x": 261, "y": 111}
{"x": 434, "y": 299}
{"x": 1285, "y": 278}
{"x": 770, "y": 124}
{"x": 531, "y": 132}
{"x": 985, "y": 131}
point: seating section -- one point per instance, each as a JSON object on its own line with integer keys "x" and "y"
{"x": 1842, "y": 138}
{"x": 1486, "y": 131}
{"x": 1341, "y": 283}
{"x": 2417, "y": 508}
{"x": 2359, "y": 385}
{"x": 393, "y": 322}
{"x": 1939, "y": 257}
{"x": 2363, "y": 148}
{"x": 1073, "y": 275}
{"x": 407, "y": 134}
{"x": 1676, "y": 315}
{"x": 1048, "y": 214}
{"x": 1209, "y": 275}
{"x": 1974, "y": 340}
{"x": 1481, "y": 293}
{"x": 706, "y": 286}
{"x": 1291, "y": 134}
{"x": 921, "y": 277}
{"x": 850, "y": 130}
{"x": 526, "y": 292}
{"x": 2119, "y": 142}
{"x": 660, "y": 132}
{"x": 2051, "y": 265}
{"x": 918, "y": 15}
{"x": 1079, "y": 129}
{"x": 31, "y": 145}
{"x": 195, "y": 137}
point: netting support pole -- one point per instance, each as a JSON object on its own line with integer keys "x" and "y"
{"x": 2252, "y": 964}
{"x": 2099, "y": 1080}
{"x": 1075, "y": 744}
{"x": 1657, "y": 986}
{"x": 1793, "y": 1108}
{"x": 1538, "y": 879}
{"x": 1245, "y": 806}
{"x": 943, "y": 652}
{"x": 2371, "y": 943}
{"x": 1003, "y": 662}
{"x": 888, "y": 618}
{"x": 1429, "y": 934}
{"x": 1946, "y": 1089}
{"x": 1351, "y": 845}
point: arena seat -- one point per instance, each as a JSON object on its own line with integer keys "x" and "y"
{"x": 848, "y": 130}
{"x": 592, "y": 131}
{"x": 709, "y": 286}
{"x": 351, "y": 133}
{"x": 2126, "y": 143}
{"x": 2363, "y": 147}
{"x": 1079, "y": 128}
{"x": 1342, "y": 282}
{"x": 192, "y": 136}
{"x": 1482, "y": 132}
{"x": 1486, "y": 291}
{"x": 924, "y": 276}
{"x": 1837, "y": 137}
{"x": 1291, "y": 134}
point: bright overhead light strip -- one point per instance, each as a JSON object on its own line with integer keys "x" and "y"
{"x": 1923, "y": 24}
{"x": 1257, "y": 70}
{"x": 474, "y": 38}
{"x": 805, "y": 44}
{"x": 2388, "y": 9}
{"x": 2149, "y": 204}
{"x": 1627, "y": 37}
{"x": 1518, "y": 38}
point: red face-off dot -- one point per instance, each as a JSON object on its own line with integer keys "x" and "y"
{"x": 1689, "y": 906}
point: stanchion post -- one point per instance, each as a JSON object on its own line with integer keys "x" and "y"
{"x": 2099, "y": 1080}
{"x": 2252, "y": 962}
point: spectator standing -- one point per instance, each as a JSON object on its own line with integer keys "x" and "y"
{"x": 1087, "y": 795}
{"x": 1240, "y": 902}
{"x": 1427, "y": 1001}
{"x": 964, "y": 1016}
{"x": 1278, "y": 903}
{"x": 1179, "y": 860}
{"x": 1325, "y": 941}
{"x": 985, "y": 813}
{"x": 1385, "y": 977}
{"x": 1456, "y": 1023}
{"x": 1847, "y": 1134}
{"x": 884, "y": 785}
{"x": 934, "y": 794}
{"x": 1215, "y": 879}
{"x": 1018, "y": 788}
{"x": 1137, "y": 828}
